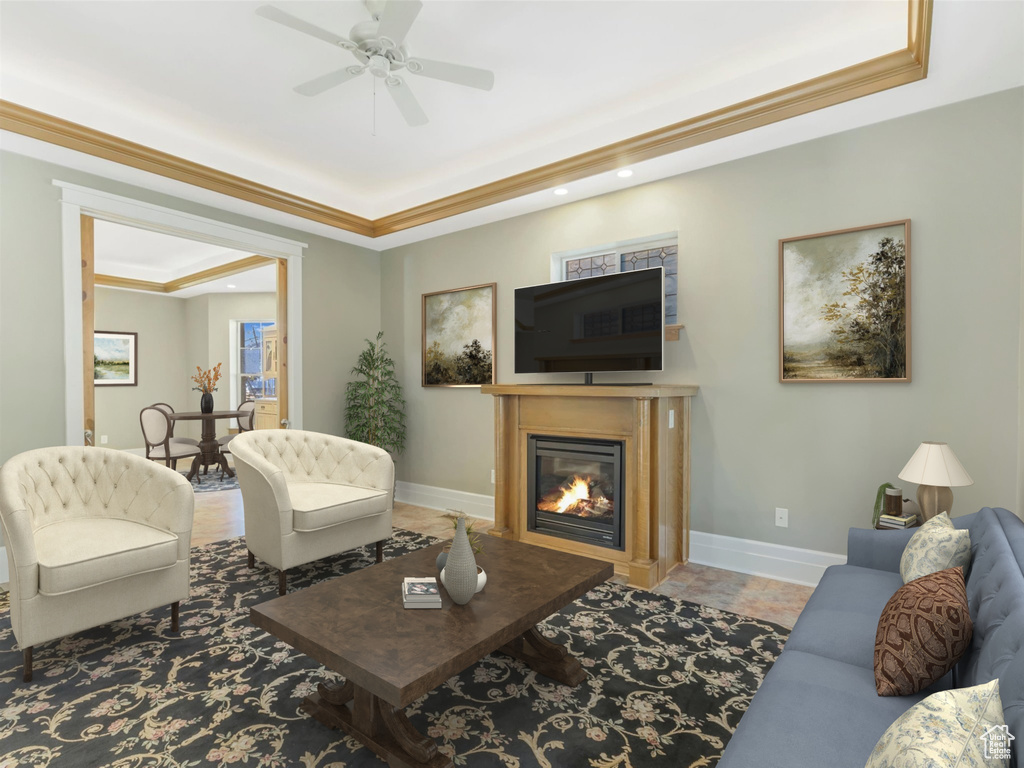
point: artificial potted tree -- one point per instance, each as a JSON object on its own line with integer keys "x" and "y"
{"x": 374, "y": 408}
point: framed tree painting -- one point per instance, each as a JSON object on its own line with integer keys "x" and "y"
{"x": 844, "y": 305}
{"x": 115, "y": 359}
{"x": 458, "y": 337}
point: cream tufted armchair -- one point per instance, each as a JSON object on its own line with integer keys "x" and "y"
{"x": 93, "y": 535}
{"x": 308, "y": 495}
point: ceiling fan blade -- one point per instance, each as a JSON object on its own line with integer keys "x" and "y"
{"x": 453, "y": 73}
{"x": 325, "y": 82}
{"x": 275, "y": 14}
{"x": 406, "y": 102}
{"x": 397, "y": 18}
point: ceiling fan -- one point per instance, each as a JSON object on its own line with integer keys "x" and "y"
{"x": 379, "y": 47}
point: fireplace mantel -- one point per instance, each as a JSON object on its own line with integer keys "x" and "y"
{"x": 657, "y": 459}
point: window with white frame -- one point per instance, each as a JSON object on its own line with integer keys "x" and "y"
{"x": 657, "y": 251}
{"x": 251, "y": 384}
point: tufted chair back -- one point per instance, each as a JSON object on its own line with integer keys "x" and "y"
{"x": 312, "y": 457}
{"x": 51, "y": 484}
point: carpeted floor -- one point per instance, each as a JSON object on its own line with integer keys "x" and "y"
{"x": 668, "y": 682}
{"x": 213, "y": 481}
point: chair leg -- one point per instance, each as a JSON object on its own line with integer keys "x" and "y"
{"x": 380, "y": 551}
{"x": 252, "y": 559}
{"x": 27, "y": 676}
{"x": 174, "y": 464}
{"x": 174, "y": 616}
{"x": 282, "y": 582}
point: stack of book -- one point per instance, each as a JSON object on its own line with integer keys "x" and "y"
{"x": 894, "y": 521}
{"x": 421, "y": 593}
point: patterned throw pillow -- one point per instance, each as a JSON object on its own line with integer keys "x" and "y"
{"x": 961, "y": 728}
{"x": 923, "y": 631}
{"x": 935, "y": 547}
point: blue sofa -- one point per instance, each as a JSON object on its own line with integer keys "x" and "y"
{"x": 817, "y": 705}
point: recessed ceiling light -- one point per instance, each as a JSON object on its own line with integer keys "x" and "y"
{"x": 561, "y": 191}
{"x": 231, "y": 286}
{"x": 625, "y": 173}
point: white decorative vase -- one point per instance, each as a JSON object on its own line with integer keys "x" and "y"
{"x": 481, "y": 578}
{"x": 460, "y": 570}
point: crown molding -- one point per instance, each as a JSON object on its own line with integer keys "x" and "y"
{"x": 64, "y": 133}
{"x": 188, "y": 281}
{"x": 865, "y": 78}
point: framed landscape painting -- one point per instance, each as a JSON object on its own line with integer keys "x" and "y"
{"x": 115, "y": 359}
{"x": 844, "y": 305}
{"x": 458, "y": 337}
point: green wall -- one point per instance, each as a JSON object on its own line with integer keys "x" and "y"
{"x": 174, "y": 336}
{"x": 341, "y": 303}
{"x": 819, "y": 450}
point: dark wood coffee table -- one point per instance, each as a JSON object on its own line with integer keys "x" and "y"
{"x": 390, "y": 656}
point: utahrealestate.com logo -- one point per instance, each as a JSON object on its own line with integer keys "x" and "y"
{"x": 997, "y": 742}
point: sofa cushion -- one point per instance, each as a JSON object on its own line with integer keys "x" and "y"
{"x": 813, "y": 711}
{"x": 321, "y": 505}
{"x": 962, "y": 728}
{"x": 923, "y": 631}
{"x": 84, "y": 552}
{"x": 841, "y": 616}
{"x": 935, "y": 547}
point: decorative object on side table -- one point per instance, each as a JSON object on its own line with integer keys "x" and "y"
{"x": 934, "y": 467}
{"x": 459, "y": 576}
{"x": 374, "y": 408}
{"x": 206, "y": 382}
{"x": 458, "y": 337}
{"x": 115, "y": 358}
{"x": 844, "y": 305}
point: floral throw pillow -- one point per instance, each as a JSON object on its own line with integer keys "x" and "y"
{"x": 959, "y": 728}
{"x": 924, "y": 630}
{"x": 935, "y": 547}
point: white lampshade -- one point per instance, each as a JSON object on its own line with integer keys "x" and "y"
{"x": 935, "y": 464}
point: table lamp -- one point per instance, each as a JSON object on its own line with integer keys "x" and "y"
{"x": 935, "y": 468}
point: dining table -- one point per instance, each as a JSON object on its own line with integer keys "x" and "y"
{"x": 210, "y": 453}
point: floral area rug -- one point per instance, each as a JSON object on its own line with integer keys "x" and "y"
{"x": 668, "y": 681}
{"x": 213, "y": 481}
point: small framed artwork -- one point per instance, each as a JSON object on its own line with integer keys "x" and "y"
{"x": 458, "y": 337}
{"x": 844, "y": 305}
{"x": 115, "y": 359}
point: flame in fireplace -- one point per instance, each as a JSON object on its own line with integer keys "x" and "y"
{"x": 574, "y": 497}
{"x": 578, "y": 490}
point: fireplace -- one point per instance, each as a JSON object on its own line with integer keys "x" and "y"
{"x": 575, "y": 489}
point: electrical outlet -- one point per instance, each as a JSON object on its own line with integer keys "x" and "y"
{"x": 671, "y": 419}
{"x": 492, "y": 477}
{"x": 781, "y": 517}
{"x": 103, "y": 439}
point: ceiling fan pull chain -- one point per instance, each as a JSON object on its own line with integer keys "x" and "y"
{"x": 374, "y": 106}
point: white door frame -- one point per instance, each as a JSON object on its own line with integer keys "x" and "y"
{"x": 77, "y": 200}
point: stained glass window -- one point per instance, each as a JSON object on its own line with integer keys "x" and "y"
{"x": 656, "y": 252}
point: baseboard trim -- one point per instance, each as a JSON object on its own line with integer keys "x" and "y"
{"x": 473, "y": 504}
{"x": 759, "y": 558}
{"x": 5, "y": 577}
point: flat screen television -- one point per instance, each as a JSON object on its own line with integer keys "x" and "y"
{"x": 608, "y": 323}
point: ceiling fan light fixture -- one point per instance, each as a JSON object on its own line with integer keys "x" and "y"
{"x": 561, "y": 191}
{"x": 379, "y": 66}
{"x": 625, "y": 173}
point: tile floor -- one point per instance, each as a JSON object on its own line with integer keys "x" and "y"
{"x": 218, "y": 516}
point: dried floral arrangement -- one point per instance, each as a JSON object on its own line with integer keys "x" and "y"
{"x": 206, "y": 381}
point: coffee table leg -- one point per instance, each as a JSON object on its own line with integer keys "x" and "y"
{"x": 550, "y": 659}
{"x": 379, "y": 725}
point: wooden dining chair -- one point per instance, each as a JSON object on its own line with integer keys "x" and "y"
{"x": 156, "y": 432}
{"x": 245, "y": 424}
{"x": 168, "y": 409}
